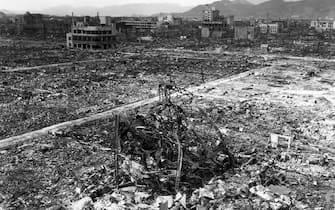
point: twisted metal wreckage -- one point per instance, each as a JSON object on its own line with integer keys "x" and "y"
{"x": 167, "y": 145}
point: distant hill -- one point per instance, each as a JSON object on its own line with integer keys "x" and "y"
{"x": 2, "y": 14}
{"x": 117, "y": 10}
{"x": 239, "y": 8}
{"x": 226, "y": 7}
{"x": 7, "y": 12}
{"x": 302, "y": 9}
{"x": 272, "y": 8}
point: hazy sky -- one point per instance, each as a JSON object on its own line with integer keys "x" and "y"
{"x": 24, "y": 5}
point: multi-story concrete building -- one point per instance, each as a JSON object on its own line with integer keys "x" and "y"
{"x": 271, "y": 28}
{"x": 92, "y": 37}
{"x": 244, "y": 33}
{"x": 133, "y": 27}
{"x": 214, "y": 29}
{"x": 215, "y": 26}
{"x": 323, "y": 25}
{"x": 211, "y": 14}
{"x": 57, "y": 26}
{"x": 165, "y": 19}
{"x": 30, "y": 24}
{"x": 169, "y": 20}
{"x": 263, "y": 28}
{"x": 105, "y": 20}
{"x": 230, "y": 20}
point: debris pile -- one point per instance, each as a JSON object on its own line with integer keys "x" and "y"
{"x": 51, "y": 95}
{"x": 263, "y": 141}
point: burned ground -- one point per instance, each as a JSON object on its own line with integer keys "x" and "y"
{"x": 43, "y": 97}
{"x": 287, "y": 97}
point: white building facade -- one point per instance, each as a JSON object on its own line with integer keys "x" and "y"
{"x": 272, "y": 28}
{"x": 323, "y": 25}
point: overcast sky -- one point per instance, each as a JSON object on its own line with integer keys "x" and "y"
{"x": 25, "y": 5}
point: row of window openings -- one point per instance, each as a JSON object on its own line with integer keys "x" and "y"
{"x": 91, "y": 32}
{"x": 87, "y": 46}
{"x": 86, "y": 38}
{"x": 325, "y": 25}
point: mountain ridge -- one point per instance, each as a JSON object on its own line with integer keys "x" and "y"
{"x": 142, "y": 9}
{"x": 238, "y": 8}
{"x": 271, "y": 8}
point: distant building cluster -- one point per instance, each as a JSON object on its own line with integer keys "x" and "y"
{"x": 323, "y": 25}
{"x": 39, "y": 25}
{"x": 102, "y": 32}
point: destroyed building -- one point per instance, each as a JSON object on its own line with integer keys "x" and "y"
{"x": 30, "y": 23}
{"x": 133, "y": 27}
{"x": 244, "y": 30}
{"x": 210, "y": 14}
{"x": 214, "y": 25}
{"x": 323, "y": 24}
{"x": 57, "y": 26}
{"x": 169, "y": 26}
{"x": 169, "y": 19}
{"x": 37, "y": 25}
{"x": 84, "y": 36}
{"x": 244, "y": 33}
{"x": 269, "y": 28}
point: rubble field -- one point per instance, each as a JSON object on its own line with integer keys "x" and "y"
{"x": 27, "y": 53}
{"x": 22, "y": 55}
{"x": 263, "y": 141}
{"x": 33, "y": 99}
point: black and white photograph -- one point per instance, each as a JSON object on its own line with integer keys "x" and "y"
{"x": 167, "y": 105}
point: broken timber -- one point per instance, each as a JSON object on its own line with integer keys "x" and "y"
{"x": 111, "y": 113}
